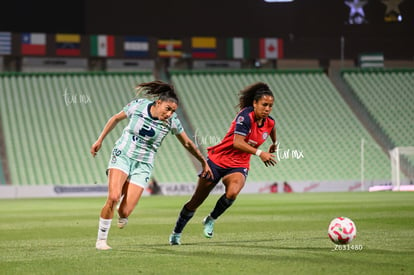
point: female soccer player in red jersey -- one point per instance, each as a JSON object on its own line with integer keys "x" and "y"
{"x": 230, "y": 159}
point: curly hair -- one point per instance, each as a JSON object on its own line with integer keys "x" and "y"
{"x": 253, "y": 93}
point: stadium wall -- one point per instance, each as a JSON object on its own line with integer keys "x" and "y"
{"x": 187, "y": 188}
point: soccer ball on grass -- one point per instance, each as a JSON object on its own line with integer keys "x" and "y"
{"x": 342, "y": 230}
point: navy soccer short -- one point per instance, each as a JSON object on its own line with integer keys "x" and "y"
{"x": 220, "y": 172}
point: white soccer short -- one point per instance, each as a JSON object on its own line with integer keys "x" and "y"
{"x": 139, "y": 173}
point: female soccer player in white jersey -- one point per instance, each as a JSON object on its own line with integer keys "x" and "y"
{"x": 132, "y": 158}
{"x": 229, "y": 160}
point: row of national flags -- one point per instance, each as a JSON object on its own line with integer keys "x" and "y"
{"x": 36, "y": 44}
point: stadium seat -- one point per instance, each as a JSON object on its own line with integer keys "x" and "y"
{"x": 51, "y": 120}
{"x": 388, "y": 96}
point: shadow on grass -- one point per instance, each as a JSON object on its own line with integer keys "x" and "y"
{"x": 214, "y": 247}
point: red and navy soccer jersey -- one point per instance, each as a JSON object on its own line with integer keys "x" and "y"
{"x": 225, "y": 155}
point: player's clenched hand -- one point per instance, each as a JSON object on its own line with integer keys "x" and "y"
{"x": 268, "y": 159}
{"x": 95, "y": 147}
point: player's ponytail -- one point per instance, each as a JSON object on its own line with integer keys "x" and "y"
{"x": 253, "y": 93}
{"x": 157, "y": 88}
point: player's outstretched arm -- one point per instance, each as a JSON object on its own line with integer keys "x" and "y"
{"x": 192, "y": 148}
{"x": 112, "y": 122}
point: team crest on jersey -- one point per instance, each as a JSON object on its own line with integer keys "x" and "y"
{"x": 240, "y": 120}
{"x": 265, "y": 135}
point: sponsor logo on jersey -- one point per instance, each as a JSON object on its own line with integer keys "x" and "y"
{"x": 146, "y": 131}
{"x": 116, "y": 152}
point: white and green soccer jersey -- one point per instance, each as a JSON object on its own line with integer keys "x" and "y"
{"x": 143, "y": 135}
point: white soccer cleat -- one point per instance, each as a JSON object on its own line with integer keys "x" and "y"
{"x": 102, "y": 245}
{"x": 122, "y": 222}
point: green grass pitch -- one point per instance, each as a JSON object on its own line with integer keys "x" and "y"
{"x": 259, "y": 234}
